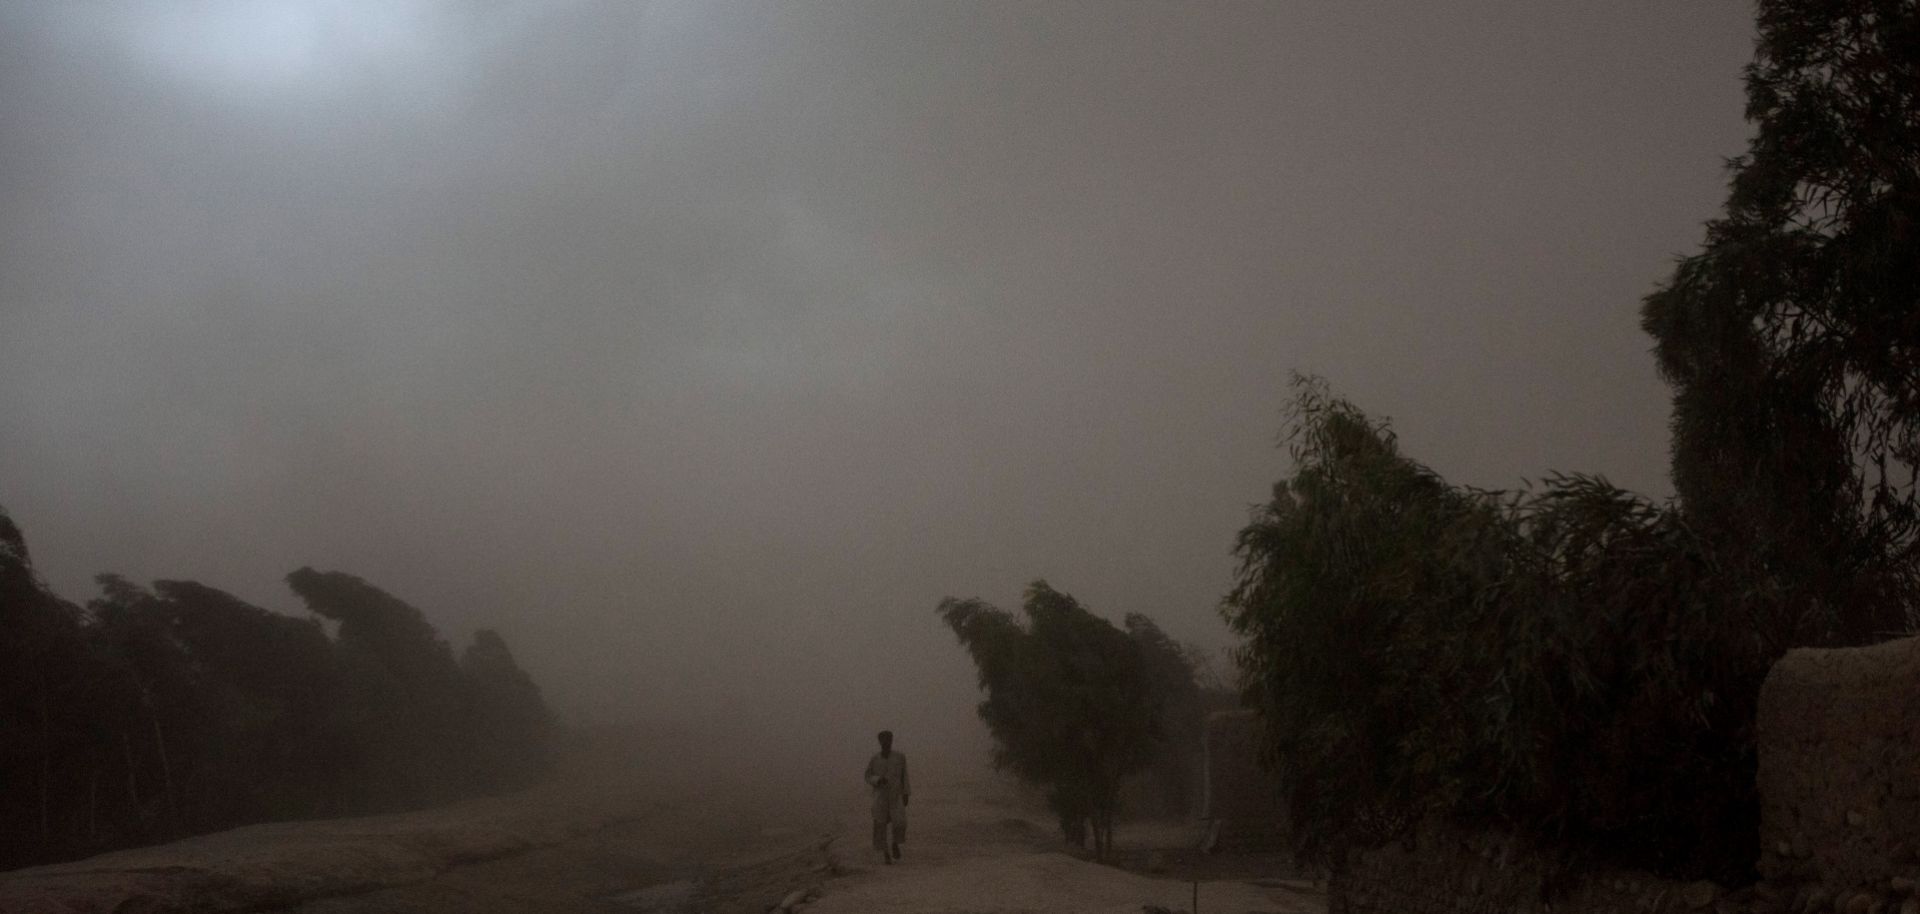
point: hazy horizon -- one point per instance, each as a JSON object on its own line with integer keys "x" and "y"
{"x": 701, "y": 349}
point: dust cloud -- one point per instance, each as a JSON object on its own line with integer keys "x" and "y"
{"x": 700, "y": 349}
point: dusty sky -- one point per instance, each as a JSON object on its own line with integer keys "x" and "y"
{"x": 701, "y": 349}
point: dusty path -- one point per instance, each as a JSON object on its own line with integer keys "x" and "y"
{"x": 978, "y": 849}
{"x": 665, "y": 848}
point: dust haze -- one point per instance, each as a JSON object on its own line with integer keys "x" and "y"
{"x": 700, "y": 349}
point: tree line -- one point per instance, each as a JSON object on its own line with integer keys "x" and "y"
{"x": 1580, "y": 664}
{"x": 1574, "y": 662}
{"x": 154, "y": 712}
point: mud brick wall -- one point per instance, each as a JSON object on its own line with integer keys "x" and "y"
{"x": 1839, "y": 741}
{"x": 1246, "y": 801}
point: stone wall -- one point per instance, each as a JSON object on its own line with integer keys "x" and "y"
{"x": 1839, "y": 739}
{"x": 1244, "y": 802}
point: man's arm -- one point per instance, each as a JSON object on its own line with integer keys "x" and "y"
{"x": 906, "y": 790}
{"x": 874, "y": 777}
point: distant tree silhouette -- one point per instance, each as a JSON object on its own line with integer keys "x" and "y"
{"x": 507, "y": 706}
{"x": 43, "y": 667}
{"x": 270, "y": 686}
{"x": 403, "y": 692}
{"x": 180, "y": 708}
{"x": 373, "y": 622}
{"x": 1070, "y": 702}
{"x": 162, "y": 706}
{"x": 427, "y": 726}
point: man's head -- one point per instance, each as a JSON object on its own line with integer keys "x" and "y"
{"x": 886, "y": 741}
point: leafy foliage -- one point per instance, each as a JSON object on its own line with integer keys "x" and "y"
{"x": 1566, "y": 661}
{"x": 1792, "y": 339}
{"x": 405, "y": 697}
{"x": 1573, "y": 660}
{"x": 1170, "y": 783}
{"x": 179, "y": 708}
{"x": 1070, "y": 702}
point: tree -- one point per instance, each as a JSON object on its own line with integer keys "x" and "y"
{"x": 394, "y": 634}
{"x": 1792, "y": 339}
{"x": 508, "y": 711}
{"x": 42, "y": 669}
{"x": 179, "y": 708}
{"x": 1355, "y": 579}
{"x": 1171, "y": 780}
{"x": 1568, "y": 661}
{"x": 1069, "y": 702}
{"x": 271, "y": 685}
{"x": 403, "y": 695}
{"x": 155, "y": 698}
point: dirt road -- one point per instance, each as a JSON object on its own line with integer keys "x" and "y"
{"x": 975, "y": 848}
{"x": 981, "y": 849}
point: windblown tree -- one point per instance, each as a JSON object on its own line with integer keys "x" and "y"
{"x": 1567, "y": 661}
{"x": 161, "y": 708}
{"x": 425, "y": 726}
{"x": 1792, "y": 339}
{"x": 1360, "y": 569}
{"x": 178, "y": 708}
{"x": 269, "y": 685}
{"x": 403, "y": 694}
{"x": 389, "y": 632}
{"x": 1170, "y": 783}
{"x": 506, "y": 705}
{"x": 1574, "y": 661}
{"x": 1070, "y": 702}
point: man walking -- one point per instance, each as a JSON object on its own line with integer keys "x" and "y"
{"x": 887, "y": 775}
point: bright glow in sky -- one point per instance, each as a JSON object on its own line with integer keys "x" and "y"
{"x": 263, "y": 45}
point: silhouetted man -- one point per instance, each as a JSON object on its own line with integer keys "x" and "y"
{"x": 887, "y": 775}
